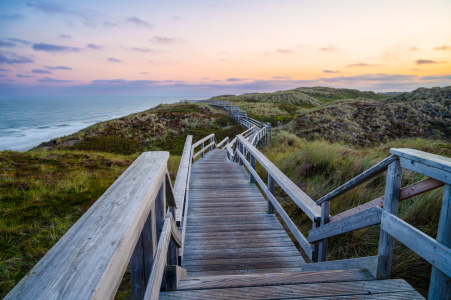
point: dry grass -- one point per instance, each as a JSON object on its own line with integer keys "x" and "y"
{"x": 318, "y": 167}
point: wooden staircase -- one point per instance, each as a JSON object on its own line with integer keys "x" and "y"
{"x": 341, "y": 284}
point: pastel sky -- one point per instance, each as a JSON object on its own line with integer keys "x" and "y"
{"x": 212, "y": 47}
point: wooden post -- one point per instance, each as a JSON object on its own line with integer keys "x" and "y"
{"x": 270, "y": 131}
{"x": 202, "y": 147}
{"x": 272, "y": 189}
{"x": 252, "y": 179}
{"x": 316, "y": 224}
{"x": 160, "y": 209}
{"x": 242, "y": 152}
{"x": 142, "y": 257}
{"x": 211, "y": 141}
{"x": 440, "y": 286}
{"x": 322, "y": 247}
{"x": 391, "y": 201}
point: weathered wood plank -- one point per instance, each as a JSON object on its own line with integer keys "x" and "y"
{"x": 433, "y": 160}
{"x": 358, "y": 180}
{"x": 440, "y": 286}
{"x": 331, "y": 289}
{"x": 439, "y": 174}
{"x": 228, "y": 281}
{"x": 306, "y": 204}
{"x": 170, "y": 198}
{"x": 202, "y": 140}
{"x": 189, "y": 258}
{"x": 361, "y": 263}
{"x": 407, "y": 192}
{"x": 368, "y": 217}
{"x": 434, "y": 252}
{"x": 90, "y": 259}
{"x": 181, "y": 179}
{"x": 391, "y": 201}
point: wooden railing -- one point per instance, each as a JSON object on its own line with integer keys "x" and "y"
{"x": 120, "y": 228}
{"x": 383, "y": 211}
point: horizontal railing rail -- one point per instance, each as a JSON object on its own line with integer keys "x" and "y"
{"x": 383, "y": 211}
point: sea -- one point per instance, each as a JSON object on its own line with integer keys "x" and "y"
{"x": 26, "y": 121}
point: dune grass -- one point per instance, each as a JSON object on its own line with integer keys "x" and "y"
{"x": 319, "y": 167}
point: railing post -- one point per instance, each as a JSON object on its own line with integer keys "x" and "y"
{"x": 391, "y": 201}
{"x": 211, "y": 141}
{"x": 242, "y": 152}
{"x": 316, "y": 224}
{"x": 270, "y": 131}
{"x": 322, "y": 247}
{"x": 201, "y": 148}
{"x": 252, "y": 179}
{"x": 272, "y": 189}
{"x": 440, "y": 287}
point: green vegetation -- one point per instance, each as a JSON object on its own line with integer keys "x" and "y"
{"x": 319, "y": 167}
{"x": 328, "y": 95}
{"x": 110, "y": 144}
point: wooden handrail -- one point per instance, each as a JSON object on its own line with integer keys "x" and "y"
{"x": 202, "y": 140}
{"x": 181, "y": 181}
{"x": 89, "y": 261}
{"x": 407, "y": 192}
{"x": 306, "y": 204}
{"x": 358, "y": 180}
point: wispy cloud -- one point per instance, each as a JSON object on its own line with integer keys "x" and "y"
{"x": 360, "y": 64}
{"x": 330, "y": 48}
{"x": 14, "y": 59}
{"x": 52, "y": 8}
{"x": 142, "y": 49}
{"x": 425, "y": 61}
{"x": 58, "y": 68}
{"x": 379, "y": 77}
{"x": 110, "y": 24}
{"x": 94, "y": 46}
{"x": 284, "y": 51}
{"x": 144, "y": 73}
{"x": 330, "y": 71}
{"x": 139, "y": 22}
{"x": 65, "y": 36}
{"x": 6, "y": 44}
{"x": 166, "y": 40}
{"x": 54, "y": 48}
{"x": 40, "y": 71}
{"x": 112, "y": 59}
{"x": 23, "y": 76}
{"x": 205, "y": 78}
{"x": 436, "y": 77}
{"x": 414, "y": 49}
{"x": 282, "y": 77}
{"x": 12, "y": 17}
{"x": 442, "y": 48}
{"x": 19, "y": 41}
{"x": 4, "y": 70}
{"x": 234, "y": 79}
{"x": 52, "y": 80}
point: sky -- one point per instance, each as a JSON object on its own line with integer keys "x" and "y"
{"x": 206, "y": 48}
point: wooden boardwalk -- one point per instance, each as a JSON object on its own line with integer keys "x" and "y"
{"x": 228, "y": 229}
{"x": 235, "y": 250}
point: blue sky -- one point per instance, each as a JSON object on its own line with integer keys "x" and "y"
{"x": 204, "y": 48}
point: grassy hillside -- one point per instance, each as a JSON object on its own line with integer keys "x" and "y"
{"x": 328, "y": 95}
{"x": 421, "y": 113}
{"x": 162, "y": 128}
{"x": 319, "y": 172}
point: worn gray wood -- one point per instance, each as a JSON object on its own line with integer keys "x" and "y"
{"x": 272, "y": 190}
{"x": 169, "y": 230}
{"x": 294, "y": 230}
{"x": 407, "y": 192}
{"x": 440, "y": 287}
{"x": 160, "y": 208}
{"x": 202, "y": 140}
{"x": 170, "y": 198}
{"x": 322, "y": 246}
{"x": 391, "y": 201}
{"x": 306, "y": 204}
{"x": 89, "y": 261}
{"x": 368, "y": 217}
{"x": 185, "y": 214}
{"x": 433, "y": 160}
{"x": 182, "y": 179}
{"x": 358, "y": 180}
{"x": 172, "y": 276}
{"x": 434, "y": 252}
{"x": 439, "y": 174}
{"x": 142, "y": 258}
{"x": 362, "y": 263}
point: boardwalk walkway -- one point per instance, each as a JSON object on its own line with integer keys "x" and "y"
{"x": 235, "y": 250}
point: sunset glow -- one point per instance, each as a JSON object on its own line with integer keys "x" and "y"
{"x": 211, "y": 47}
